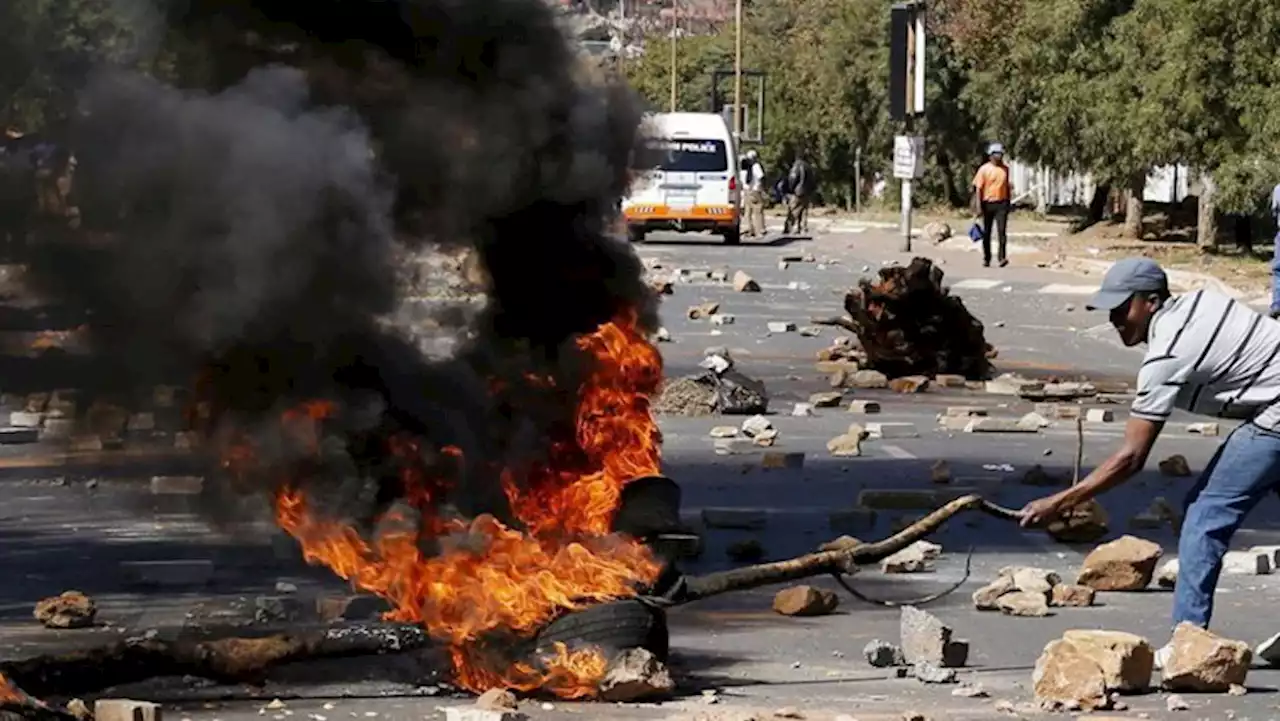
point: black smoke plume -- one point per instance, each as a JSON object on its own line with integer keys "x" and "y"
{"x": 251, "y": 223}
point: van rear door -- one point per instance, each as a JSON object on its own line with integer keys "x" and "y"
{"x": 695, "y": 172}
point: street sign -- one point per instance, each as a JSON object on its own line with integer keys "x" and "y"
{"x": 908, "y": 156}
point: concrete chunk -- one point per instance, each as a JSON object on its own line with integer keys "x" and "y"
{"x": 1246, "y": 563}
{"x": 163, "y": 574}
{"x": 1203, "y": 429}
{"x": 925, "y": 639}
{"x": 1100, "y": 415}
{"x": 999, "y": 425}
{"x": 864, "y": 407}
{"x": 25, "y": 419}
{"x": 177, "y": 485}
{"x": 965, "y": 412}
{"x": 475, "y": 713}
{"x": 781, "y": 327}
{"x": 122, "y": 709}
{"x": 892, "y": 430}
{"x": 1202, "y": 661}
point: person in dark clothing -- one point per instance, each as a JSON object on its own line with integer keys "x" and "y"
{"x": 991, "y": 199}
{"x": 800, "y": 184}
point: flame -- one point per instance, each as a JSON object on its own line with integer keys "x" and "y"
{"x": 11, "y": 694}
{"x": 486, "y": 578}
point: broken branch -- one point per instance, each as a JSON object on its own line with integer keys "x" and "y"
{"x": 227, "y": 660}
{"x": 697, "y": 588}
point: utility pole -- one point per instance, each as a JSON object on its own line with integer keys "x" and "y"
{"x": 737, "y": 72}
{"x": 906, "y": 99}
{"x": 675, "y": 25}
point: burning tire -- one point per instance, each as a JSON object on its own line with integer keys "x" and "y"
{"x": 613, "y": 627}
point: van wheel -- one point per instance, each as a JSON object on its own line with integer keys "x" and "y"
{"x": 635, "y": 235}
{"x": 733, "y": 236}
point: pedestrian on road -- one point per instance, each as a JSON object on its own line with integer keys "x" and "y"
{"x": 1207, "y": 354}
{"x": 800, "y": 185}
{"x": 1275, "y": 254}
{"x": 991, "y": 202}
{"x": 755, "y": 194}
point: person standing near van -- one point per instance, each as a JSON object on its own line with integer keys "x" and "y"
{"x": 800, "y": 187}
{"x": 755, "y": 194}
{"x": 991, "y": 201}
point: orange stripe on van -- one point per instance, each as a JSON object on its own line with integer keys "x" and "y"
{"x": 725, "y": 213}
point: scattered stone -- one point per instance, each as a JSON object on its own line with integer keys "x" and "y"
{"x": 744, "y": 283}
{"x": 755, "y": 425}
{"x": 828, "y": 399}
{"x": 177, "y": 485}
{"x": 1126, "y": 660}
{"x": 1060, "y": 411}
{"x": 882, "y": 654}
{"x": 864, "y": 407}
{"x": 805, "y": 601}
{"x": 1237, "y": 690}
{"x": 965, "y": 412}
{"x": 765, "y": 438}
{"x": 911, "y": 559}
{"x": 940, "y": 472}
{"x": 892, "y": 430}
{"x": 986, "y": 598}
{"x": 79, "y": 709}
{"x": 810, "y": 331}
{"x": 25, "y": 419}
{"x": 909, "y": 384}
{"x": 868, "y": 379}
{"x": 802, "y": 410}
{"x": 1269, "y": 650}
{"x": 1202, "y": 661}
{"x": 1203, "y": 429}
{"x": 777, "y": 460}
{"x": 724, "y": 432}
{"x": 1023, "y": 603}
{"x": 723, "y": 319}
{"x": 846, "y": 445}
{"x": 926, "y": 672}
{"x": 999, "y": 425}
{"x": 749, "y": 551}
{"x": 970, "y": 691}
{"x": 1125, "y": 564}
{"x": 662, "y": 335}
{"x": 732, "y": 446}
{"x": 1071, "y": 594}
{"x": 1176, "y": 466}
{"x": 927, "y": 639}
{"x": 1065, "y": 675}
{"x": 843, "y": 543}
{"x": 1246, "y": 563}
{"x": 70, "y": 609}
{"x": 1273, "y": 552}
{"x": 741, "y": 519}
{"x": 1174, "y": 702}
{"x": 634, "y": 675}
{"x": 937, "y": 231}
{"x": 946, "y": 380}
{"x": 781, "y": 327}
{"x": 271, "y": 609}
{"x": 123, "y": 709}
{"x": 1085, "y": 523}
{"x": 1167, "y": 576}
{"x": 497, "y": 699}
{"x": 1034, "y": 420}
{"x": 1011, "y": 384}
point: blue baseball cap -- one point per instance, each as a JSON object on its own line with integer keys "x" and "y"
{"x": 1126, "y": 277}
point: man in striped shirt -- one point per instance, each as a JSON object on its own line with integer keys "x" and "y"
{"x": 1207, "y": 354}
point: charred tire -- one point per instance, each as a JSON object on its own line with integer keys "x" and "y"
{"x": 613, "y": 627}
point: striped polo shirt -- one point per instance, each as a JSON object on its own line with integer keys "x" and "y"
{"x": 1211, "y": 355}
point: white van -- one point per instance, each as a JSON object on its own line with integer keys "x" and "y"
{"x": 685, "y": 177}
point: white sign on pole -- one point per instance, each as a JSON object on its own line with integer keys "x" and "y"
{"x": 908, "y": 156}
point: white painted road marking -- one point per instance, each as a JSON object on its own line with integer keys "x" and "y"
{"x": 898, "y": 452}
{"x": 976, "y": 284}
{"x": 1064, "y": 289}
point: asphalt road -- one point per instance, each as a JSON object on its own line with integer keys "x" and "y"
{"x": 70, "y": 532}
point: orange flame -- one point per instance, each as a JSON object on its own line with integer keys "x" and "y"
{"x": 487, "y": 577}
{"x": 11, "y": 694}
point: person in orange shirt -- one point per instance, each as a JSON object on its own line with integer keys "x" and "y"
{"x": 991, "y": 201}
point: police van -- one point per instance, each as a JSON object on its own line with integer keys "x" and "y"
{"x": 685, "y": 178}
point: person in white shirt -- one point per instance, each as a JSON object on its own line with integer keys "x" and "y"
{"x": 755, "y": 195}
{"x": 1207, "y": 354}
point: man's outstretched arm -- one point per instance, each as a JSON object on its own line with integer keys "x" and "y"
{"x": 1139, "y": 436}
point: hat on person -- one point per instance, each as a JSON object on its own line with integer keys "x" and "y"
{"x": 994, "y": 148}
{"x": 1126, "y": 277}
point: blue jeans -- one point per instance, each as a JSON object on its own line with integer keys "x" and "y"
{"x": 1243, "y": 471}
{"x": 1275, "y": 277}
